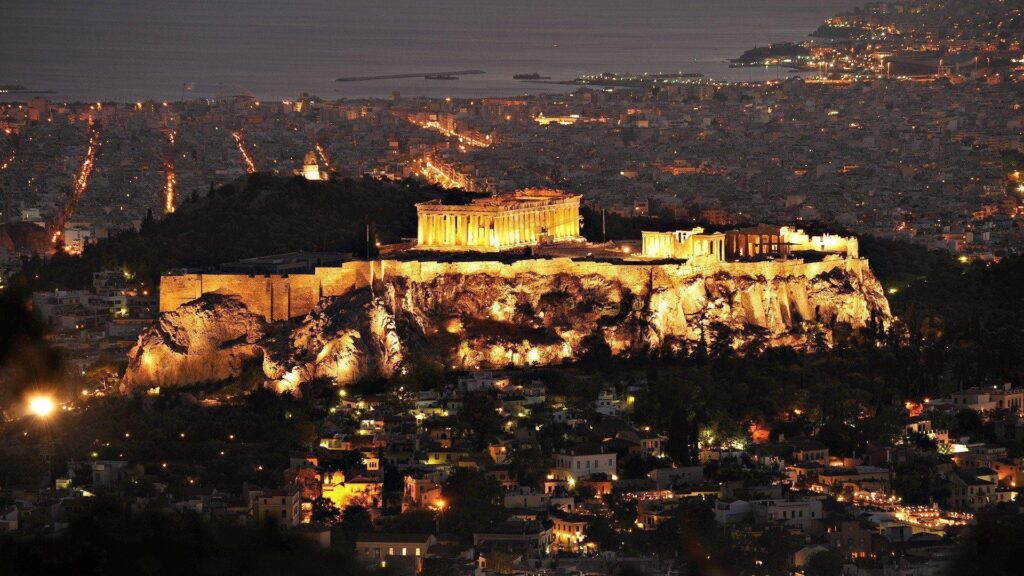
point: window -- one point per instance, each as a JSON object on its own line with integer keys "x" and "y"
{"x": 405, "y": 551}
{"x": 391, "y": 551}
{"x": 417, "y": 550}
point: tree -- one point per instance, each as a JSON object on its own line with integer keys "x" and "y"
{"x": 917, "y": 481}
{"x": 325, "y": 512}
{"x": 721, "y": 343}
{"x": 600, "y": 531}
{"x": 595, "y": 350}
{"x": 472, "y": 502}
{"x": 148, "y": 221}
{"x": 500, "y": 562}
{"x": 826, "y": 563}
{"x": 111, "y": 542}
{"x": 354, "y": 520}
{"x": 478, "y": 418}
{"x": 529, "y": 464}
{"x": 414, "y": 522}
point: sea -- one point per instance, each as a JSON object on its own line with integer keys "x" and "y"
{"x": 135, "y": 50}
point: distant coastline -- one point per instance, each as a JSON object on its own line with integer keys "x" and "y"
{"x": 374, "y": 56}
{"x": 18, "y": 89}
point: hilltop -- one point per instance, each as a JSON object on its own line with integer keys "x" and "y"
{"x": 254, "y": 216}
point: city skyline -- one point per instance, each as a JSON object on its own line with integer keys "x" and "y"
{"x": 538, "y": 288}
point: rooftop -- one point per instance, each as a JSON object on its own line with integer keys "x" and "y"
{"x": 531, "y": 197}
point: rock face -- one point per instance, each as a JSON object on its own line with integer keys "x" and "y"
{"x": 471, "y": 317}
{"x": 342, "y": 339}
{"x": 208, "y": 339}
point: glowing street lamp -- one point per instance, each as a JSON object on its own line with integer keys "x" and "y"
{"x": 440, "y": 506}
{"x": 41, "y": 406}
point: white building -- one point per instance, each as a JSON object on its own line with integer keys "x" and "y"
{"x": 583, "y": 462}
{"x": 789, "y": 512}
{"x": 729, "y": 511}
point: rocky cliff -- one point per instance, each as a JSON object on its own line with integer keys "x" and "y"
{"x": 209, "y": 339}
{"x": 479, "y": 316}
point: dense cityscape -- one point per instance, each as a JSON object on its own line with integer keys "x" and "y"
{"x": 643, "y": 323}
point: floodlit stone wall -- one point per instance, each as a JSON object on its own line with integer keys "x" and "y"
{"x": 370, "y": 318}
{"x": 273, "y": 296}
{"x": 283, "y": 297}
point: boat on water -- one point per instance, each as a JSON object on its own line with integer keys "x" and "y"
{"x": 531, "y": 76}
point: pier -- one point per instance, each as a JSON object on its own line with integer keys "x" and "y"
{"x": 416, "y": 75}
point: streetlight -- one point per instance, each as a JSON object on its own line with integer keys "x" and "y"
{"x": 440, "y": 505}
{"x": 41, "y": 406}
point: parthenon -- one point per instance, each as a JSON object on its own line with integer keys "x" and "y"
{"x": 524, "y": 218}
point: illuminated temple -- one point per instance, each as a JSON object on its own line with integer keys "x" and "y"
{"x": 684, "y": 244}
{"x": 762, "y": 241}
{"x": 311, "y": 168}
{"x": 524, "y": 218}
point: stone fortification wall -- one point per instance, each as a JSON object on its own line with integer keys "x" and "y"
{"x": 273, "y": 296}
{"x": 283, "y": 297}
{"x": 488, "y": 314}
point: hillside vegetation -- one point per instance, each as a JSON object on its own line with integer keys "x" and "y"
{"x": 256, "y": 216}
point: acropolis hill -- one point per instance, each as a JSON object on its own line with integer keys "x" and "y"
{"x": 535, "y": 294}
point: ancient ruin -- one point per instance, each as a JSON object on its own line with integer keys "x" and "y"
{"x": 684, "y": 291}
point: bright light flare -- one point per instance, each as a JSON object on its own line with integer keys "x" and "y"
{"x": 41, "y": 406}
